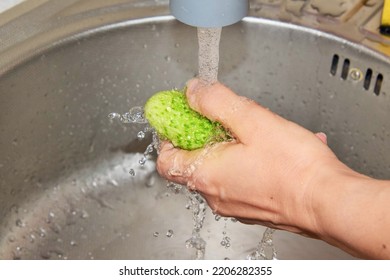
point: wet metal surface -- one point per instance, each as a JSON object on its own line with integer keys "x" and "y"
{"x": 65, "y": 187}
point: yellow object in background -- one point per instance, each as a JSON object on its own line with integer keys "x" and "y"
{"x": 385, "y": 22}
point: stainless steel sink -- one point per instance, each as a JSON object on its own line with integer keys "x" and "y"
{"x": 65, "y": 187}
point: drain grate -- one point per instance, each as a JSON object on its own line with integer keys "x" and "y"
{"x": 356, "y": 74}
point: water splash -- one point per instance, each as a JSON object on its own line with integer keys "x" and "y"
{"x": 266, "y": 248}
{"x": 135, "y": 115}
{"x": 198, "y": 207}
{"x": 195, "y": 202}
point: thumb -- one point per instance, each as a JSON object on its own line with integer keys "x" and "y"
{"x": 219, "y": 103}
{"x": 176, "y": 165}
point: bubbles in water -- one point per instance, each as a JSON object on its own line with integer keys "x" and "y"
{"x": 132, "y": 172}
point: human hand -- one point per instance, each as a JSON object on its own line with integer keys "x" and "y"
{"x": 264, "y": 176}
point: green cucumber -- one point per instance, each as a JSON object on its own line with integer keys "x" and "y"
{"x": 170, "y": 115}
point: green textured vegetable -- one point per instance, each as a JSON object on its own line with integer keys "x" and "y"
{"x": 170, "y": 115}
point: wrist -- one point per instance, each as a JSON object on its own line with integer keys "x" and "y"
{"x": 344, "y": 210}
{"x": 324, "y": 198}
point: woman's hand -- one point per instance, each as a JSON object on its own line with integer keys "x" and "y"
{"x": 278, "y": 174}
{"x": 262, "y": 176}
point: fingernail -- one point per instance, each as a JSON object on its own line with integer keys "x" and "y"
{"x": 192, "y": 86}
{"x": 323, "y": 137}
{"x": 165, "y": 146}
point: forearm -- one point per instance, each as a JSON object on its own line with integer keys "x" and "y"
{"x": 353, "y": 213}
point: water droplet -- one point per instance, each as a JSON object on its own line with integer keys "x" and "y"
{"x": 132, "y": 172}
{"x": 142, "y": 161}
{"x": 150, "y": 180}
{"x": 32, "y": 238}
{"x": 156, "y": 234}
{"x": 149, "y": 149}
{"x": 169, "y": 233}
{"x": 217, "y": 217}
{"x": 167, "y": 58}
{"x": 114, "y": 182}
{"x": 15, "y": 142}
{"x": 137, "y": 114}
{"x": 42, "y": 232}
{"x": 20, "y": 223}
{"x": 73, "y": 243}
{"x": 141, "y": 135}
{"x": 113, "y": 116}
{"x": 176, "y": 188}
{"x": 84, "y": 214}
{"x": 226, "y": 243}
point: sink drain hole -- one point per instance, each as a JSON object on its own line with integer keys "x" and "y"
{"x": 378, "y": 84}
{"x": 367, "y": 79}
{"x": 335, "y": 63}
{"x": 345, "y": 71}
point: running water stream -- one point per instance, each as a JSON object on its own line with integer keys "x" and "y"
{"x": 208, "y": 55}
{"x": 208, "y": 59}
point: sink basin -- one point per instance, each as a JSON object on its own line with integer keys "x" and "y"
{"x": 65, "y": 187}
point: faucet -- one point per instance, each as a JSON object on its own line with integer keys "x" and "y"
{"x": 209, "y": 13}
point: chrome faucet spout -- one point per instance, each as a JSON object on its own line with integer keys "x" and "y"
{"x": 209, "y": 13}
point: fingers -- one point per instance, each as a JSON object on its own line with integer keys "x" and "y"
{"x": 176, "y": 165}
{"x": 219, "y": 103}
